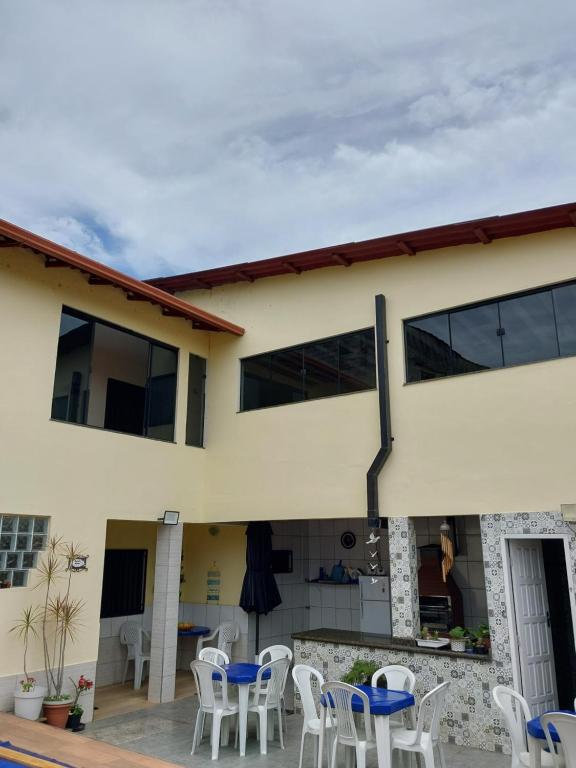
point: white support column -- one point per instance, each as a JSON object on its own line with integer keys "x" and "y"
{"x": 165, "y": 613}
{"x": 403, "y": 577}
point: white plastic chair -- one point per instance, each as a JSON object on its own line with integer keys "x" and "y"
{"x": 268, "y": 697}
{"x": 132, "y": 636}
{"x": 398, "y": 678}
{"x": 338, "y": 697}
{"x": 227, "y": 633}
{"x": 303, "y": 676}
{"x": 566, "y": 726}
{"x": 418, "y": 739}
{"x": 516, "y": 713}
{"x": 214, "y": 656}
{"x": 213, "y": 700}
{"x": 272, "y": 653}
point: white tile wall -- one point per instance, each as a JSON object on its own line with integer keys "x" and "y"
{"x": 468, "y": 569}
{"x": 314, "y": 544}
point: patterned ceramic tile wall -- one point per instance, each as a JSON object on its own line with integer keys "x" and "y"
{"x": 493, "y": 529}
{"x": 403, "y": 577}
{"x": 471, "y": 718}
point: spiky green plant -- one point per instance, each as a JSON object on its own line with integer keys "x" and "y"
{"x": 58, "y": 616}
{"x": 26, "y": 626}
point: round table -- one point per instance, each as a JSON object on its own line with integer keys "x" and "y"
{"x": 194, "y": 632}
{"x": 536, "y": 735}
{"x": 383, "y": 703}
{"x": 242, "y": 675}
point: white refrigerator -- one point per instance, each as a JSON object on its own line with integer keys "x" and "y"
{"x": 375, "y": 611}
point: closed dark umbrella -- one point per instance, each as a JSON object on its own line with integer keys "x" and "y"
{"x": 259, "y": 591}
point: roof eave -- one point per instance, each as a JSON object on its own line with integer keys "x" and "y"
{"x": 99, "y": 274}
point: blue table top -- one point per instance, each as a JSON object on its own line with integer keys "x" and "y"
{"x": 382, "y": 700}
{"x": 242, "y": 674}
{"x": 536, "y": 729}
{"x": 194, "y": 632}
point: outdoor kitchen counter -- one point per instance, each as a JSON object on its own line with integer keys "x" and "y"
{"x": 363, "y": 640}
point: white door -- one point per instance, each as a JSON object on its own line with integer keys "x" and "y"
{"x": 533, "y": 625}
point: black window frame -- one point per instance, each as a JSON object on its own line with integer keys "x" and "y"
{"x": 301, "y": 347}
{"x": 93, "y": 319}
{"x": 498, "y": 300}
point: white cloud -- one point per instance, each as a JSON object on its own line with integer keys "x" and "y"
{"x": 171, "y": 135}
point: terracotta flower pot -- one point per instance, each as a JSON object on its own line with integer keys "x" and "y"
{"x": 56, "y": 713}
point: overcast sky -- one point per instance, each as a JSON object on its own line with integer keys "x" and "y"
{"x": 165, "y": 136}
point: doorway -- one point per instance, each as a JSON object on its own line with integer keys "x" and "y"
{"x": 542, "y": 623}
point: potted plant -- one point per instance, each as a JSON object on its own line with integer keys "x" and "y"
{"x": 28, "y": 696}
{"x": 361, "y": 674}
{"x": 458, "y": 638}
{"x": 56, "y": 621}
{"x": 76, "y": 711}
{"x": 482, "y": 640}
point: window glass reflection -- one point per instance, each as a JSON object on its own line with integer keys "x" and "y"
{"x": 565, "y": 305}
{"x": 476, "y": 345}
{"x": 324, "y": 368}
{"x": 529, "y": 329}
{"x": 428, "y": 348}
{"x": 321, "y": 369}
{"x": 357, "y": 361}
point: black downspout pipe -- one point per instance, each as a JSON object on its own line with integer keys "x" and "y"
{"x": 384, "y": 409}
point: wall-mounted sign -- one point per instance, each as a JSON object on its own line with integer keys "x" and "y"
{"x": 78, "y": 564}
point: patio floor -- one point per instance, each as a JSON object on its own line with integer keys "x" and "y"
{"x": 165, "y": 731}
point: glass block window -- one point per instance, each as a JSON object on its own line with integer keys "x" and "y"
{"x": 22, "y": 537}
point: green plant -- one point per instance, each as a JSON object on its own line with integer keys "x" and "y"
{"x": 360, "y": 672}
{"x": 459, "y": 633}
{"x": 26, "y": 627}
{"x": 57, "y": 619}
{"x": 483, "y": 631}
{"x": 82, "y": 686}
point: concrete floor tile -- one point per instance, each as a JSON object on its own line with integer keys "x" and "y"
{"x": 165, "y": 731}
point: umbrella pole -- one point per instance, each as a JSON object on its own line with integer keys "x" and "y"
{"x": 257, "y": 650}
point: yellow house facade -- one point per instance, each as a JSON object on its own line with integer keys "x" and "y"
{"x": 493, "y": 444}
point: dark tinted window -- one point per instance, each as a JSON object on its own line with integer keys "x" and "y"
{"x": 476, "y": 344}
{"x": 428, "y": 348}
{"x": 72, "y": 377}
{"x": 565, "y": 305}
{"x": 196, "y": 397}
{"x": 111, "y": 378}
{"x": 357, "y": 361}
{"x": 529, "y": 331}
{"x": 124, "y": 582}
{"x": 323, "y": 368}
{"x": 524, "y": 328}
{"x": 162, "y": 392}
